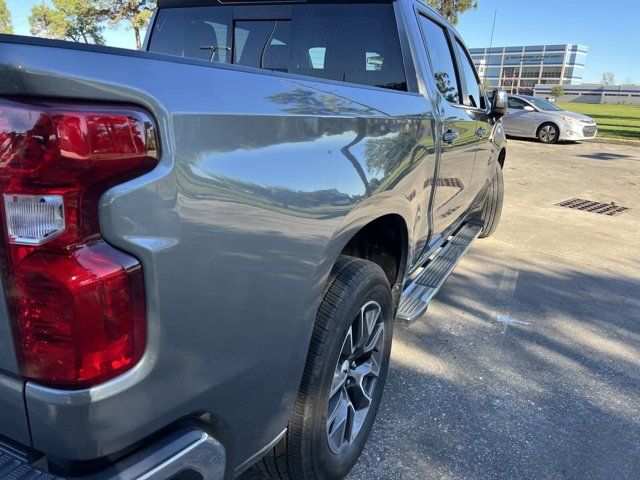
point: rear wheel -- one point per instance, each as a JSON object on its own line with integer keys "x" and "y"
{"x": 343, "y": 379}
{"x": 548, "y": 133}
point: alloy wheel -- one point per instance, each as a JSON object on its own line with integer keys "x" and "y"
{"x": 548, "y": 133}
{"x": 355, "y": 377}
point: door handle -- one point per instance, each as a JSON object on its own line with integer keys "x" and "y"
{"x": 480, "y": 132}
{"x": 450, "y": 136}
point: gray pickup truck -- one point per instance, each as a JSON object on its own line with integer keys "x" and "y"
{"x": 205, "y": 244}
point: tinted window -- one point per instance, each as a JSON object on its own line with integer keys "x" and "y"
{"x": 203, "y": 33}
{"x": 472, "y": 96}
{"x": 441, "y": 59}
{"x": 544, "y": 105}
{"x": 262, "y": 44}
{"x": 353, "y": 43}
{"x": 516, "y": 103}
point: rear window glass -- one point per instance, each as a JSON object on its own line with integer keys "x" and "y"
{"x": 351, "y": 43}
{"x": 202, "y": 33}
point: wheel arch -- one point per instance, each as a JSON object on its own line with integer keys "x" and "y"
{"x": 378, "y": 235}
{"x": 383, "y": 241}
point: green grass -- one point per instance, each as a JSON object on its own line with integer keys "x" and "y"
{"x": 614, "y": 121}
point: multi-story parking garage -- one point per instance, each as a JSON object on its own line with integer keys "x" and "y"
{"x": 520, "y": 69}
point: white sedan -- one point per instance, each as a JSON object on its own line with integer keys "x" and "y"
{"x": 533, "y": 117}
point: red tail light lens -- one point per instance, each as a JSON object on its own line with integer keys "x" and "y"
{"x": 77, "y": 303}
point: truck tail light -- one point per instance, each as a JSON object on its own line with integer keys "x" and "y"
{"x": 77, "y": 303}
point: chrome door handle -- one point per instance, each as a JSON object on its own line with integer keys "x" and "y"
{"x": 450, "y": 136}
{"x": 480, "y": 132}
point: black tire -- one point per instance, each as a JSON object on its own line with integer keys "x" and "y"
{"x": 492, "y": 209}
{"x": 304, "y": 453}
{"x": 548, "y": 133}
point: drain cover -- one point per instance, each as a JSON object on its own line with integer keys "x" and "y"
{"x": 610, "y": 209}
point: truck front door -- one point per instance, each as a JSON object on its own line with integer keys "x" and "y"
{"x": 457, "y": 126}
{"x": 476, "y": 104}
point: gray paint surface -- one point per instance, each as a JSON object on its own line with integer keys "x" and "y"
{"x": 262, "y": 181}
{"x": 13, "y": 417}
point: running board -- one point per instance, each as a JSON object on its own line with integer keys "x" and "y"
{"x": 416, "y": 297}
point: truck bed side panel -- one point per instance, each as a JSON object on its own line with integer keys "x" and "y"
{"x": 262, "y": 182}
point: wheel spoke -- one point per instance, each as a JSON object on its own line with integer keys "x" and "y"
{"x": 374, "y": 338}
{"x": 337, "y": 407}
{"x": 363, "y": 378}
{"x": 347, "y": 346}
{"x": 339, "y": 379}
{"x": 338, "y": 421}
{"x": 365, "y": 325}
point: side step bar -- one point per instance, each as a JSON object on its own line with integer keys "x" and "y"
{"x": 416, "y": 297}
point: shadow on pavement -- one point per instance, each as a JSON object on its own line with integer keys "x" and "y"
{"x": 470, "y": 397}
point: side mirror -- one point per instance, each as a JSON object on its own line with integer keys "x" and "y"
{"x": 529, "y": 108}
{"x": 499, "y": 103}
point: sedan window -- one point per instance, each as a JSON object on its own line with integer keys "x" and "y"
{"x": 516, "y": 103}
{"x": 544, "y": 105}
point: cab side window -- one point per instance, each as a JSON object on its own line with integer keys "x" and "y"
{"x": 472, "y": 96}
{"x": 441, "y": 56}
{"x": 516, "y": 103}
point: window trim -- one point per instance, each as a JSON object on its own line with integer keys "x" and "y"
{"x": 465, "y": 51}
{"x": 429, "y": 16}
{"x": 410, "y": 71}
{"x": 411, "y": 80}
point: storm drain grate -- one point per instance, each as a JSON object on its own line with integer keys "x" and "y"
{"x": 610, "y": 209}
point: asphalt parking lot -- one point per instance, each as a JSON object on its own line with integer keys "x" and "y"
{"x": 527, "y": 364}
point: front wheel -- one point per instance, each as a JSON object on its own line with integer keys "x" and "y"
{"x": 548, "y": 133}
{"x": 343, "y": 378}
{"x": 492, "y": 209}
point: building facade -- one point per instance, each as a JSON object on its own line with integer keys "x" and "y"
{"x": 520, "y": 69}
{"x": 592, "y": 93}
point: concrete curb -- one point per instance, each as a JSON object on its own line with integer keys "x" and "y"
{"x": 617, "y": 141}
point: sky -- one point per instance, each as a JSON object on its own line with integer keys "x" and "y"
{"x": 611, "y": 31}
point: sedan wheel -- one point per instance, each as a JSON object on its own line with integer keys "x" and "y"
{"x": 548, "y": 133}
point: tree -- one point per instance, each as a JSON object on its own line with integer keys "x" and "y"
{"x": 557, "y": 91}
{"x": 450, "y": 9}
{"x": 134, "y": 13}
{"x": 47, "y": 22}
{"x": 608, "y": 79}
{"x": 5, "y": 18}
{"x": 77, "y": 20}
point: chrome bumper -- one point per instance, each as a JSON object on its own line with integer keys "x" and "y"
{"x": 187, "y": 452}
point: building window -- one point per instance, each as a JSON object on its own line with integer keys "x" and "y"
{"x": 530, "y": 72}
{"x": 551, "y": 72}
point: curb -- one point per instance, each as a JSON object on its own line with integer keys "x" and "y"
{"x": 616, "y": 141}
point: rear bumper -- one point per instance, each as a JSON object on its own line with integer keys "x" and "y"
{"x": 188, "y": 453}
